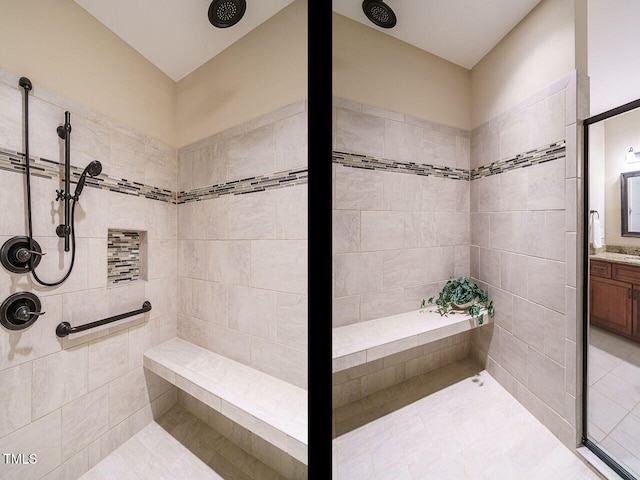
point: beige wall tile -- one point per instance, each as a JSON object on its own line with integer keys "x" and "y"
{"x": 252, "y": 216}
{"x": 480, "y": 229}
{"x": 405, "y": 267}
{"x": 420, "y": 230}
{"x": 84, "y": 420}
{"x": 15, "y": 395}
{"x": 193, "y": 258}
{"x": 401, "y": 191}
{"x": 545, "y": 379}
{"x": 230, "y": 343}
{"x": 108, "y": 359}
{"x": 291, "y": 212}
{"x": 291, "y": 142}
{"x": 511, "y": 278}
{"x": 554, "y": 248}
{"x": 402, "y": 141}
{"x": 485, "y": 145}
{"x": 359, "y": 133}
{"x": 253, "y": 310}
{"x": 513, "y": 190}
{"x": 209, "y": 166}
{"x": 58, "y": 379}
{"x": 381, "y": 230}
{"x": 357, "y": 273}
{"x": 127, "y": 394}
{"x": 346, "y": 231}
{"x": 30, "y": 439}
{"x": 529, "y": 323}
{"x": 279, "y": 265}
{"x": 546, "y": 283}
{"x": 490, "y": 266}
{"x": 210, "y": 301}
{"x": 346, "y": 310}
{"x": 529, "y": 233}
{"x": 546, "y": 186}
{"x": 249, "y": 154}
{"x": 462, "y": 261}
{"x": 216, "y": 218}
{"x": 286, "y": 363}
{"x": 292, "y": 320}
{"x": 501, "y": 231}
{"x": 357, "y": 189}
{"x": 554, "y": 341}
{"x": 513, "y": 356}
{"x": 381, "y": 304}
{"x": 230, "y": 262}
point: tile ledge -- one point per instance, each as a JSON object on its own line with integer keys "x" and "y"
{"x": 425, "y": 324}
{"x": 231, "y": 382}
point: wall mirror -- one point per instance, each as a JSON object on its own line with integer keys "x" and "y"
{"x": 630, "y": 203}
{"x": 611, "y": 308}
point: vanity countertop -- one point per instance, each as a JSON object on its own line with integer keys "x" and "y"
{"x": 616, "y": 258}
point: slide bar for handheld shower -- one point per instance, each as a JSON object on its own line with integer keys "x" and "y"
{"x": 65, "y": 328}
{"x": 64, "y": 132}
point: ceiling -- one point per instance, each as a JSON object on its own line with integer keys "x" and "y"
{"x": 461, "y": 31}
{"x": 175, "y": 35}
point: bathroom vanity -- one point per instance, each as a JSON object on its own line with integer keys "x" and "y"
{"x": 615, "y": 293}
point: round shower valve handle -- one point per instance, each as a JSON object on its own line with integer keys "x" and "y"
{"x": 24, "y": 254}
{"x": 23, "y": 314}
{"x": 20, "y": 311}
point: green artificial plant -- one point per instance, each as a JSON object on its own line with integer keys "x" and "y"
{"x": 461, "y": 291}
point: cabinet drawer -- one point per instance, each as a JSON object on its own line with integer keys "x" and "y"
{"x": 626, "y": 273}
{"x": 600, "y": 269}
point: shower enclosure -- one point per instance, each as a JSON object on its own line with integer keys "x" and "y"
{"x": 611, "y": 340}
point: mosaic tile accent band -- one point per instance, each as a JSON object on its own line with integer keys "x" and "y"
{"x": 367, "y": 162}
{"x": 246, "y": 185}
{"x": 522, "y": 160}
{"x": 534, "y": 157}
{"x": 41, "y": 167}
{"x": 123, "y": 256}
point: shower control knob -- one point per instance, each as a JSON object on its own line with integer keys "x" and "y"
{"x": 23, "y": 314}
{"x": 61, "y": 230}
{"x": 24, "y": 254}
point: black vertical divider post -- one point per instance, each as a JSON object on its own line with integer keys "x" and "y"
{"x": 319, "y": 237}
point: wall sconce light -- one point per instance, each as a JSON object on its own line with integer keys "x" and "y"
{"x": 632, "y": 156}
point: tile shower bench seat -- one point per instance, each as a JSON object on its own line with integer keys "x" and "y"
{"x": 269, "y": 407}
{"x": 364, "y": 342}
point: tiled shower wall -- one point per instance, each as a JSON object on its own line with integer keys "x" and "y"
{"x": 73, "y": 401}
{"x": 398, "y": 235}
{"x": 524, "y": 248}
{"x": 242, "y": 249}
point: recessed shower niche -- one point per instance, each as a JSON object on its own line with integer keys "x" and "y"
{"x": 126, "y": 256}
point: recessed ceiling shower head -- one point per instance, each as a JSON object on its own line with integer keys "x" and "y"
{"x": 226, "y": 13}
{"x": 379, "y": 13}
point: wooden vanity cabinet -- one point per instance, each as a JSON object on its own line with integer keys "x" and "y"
{"x": 615, "y": 297}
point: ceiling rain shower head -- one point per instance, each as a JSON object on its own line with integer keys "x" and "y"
{"x": 379, "y": 13}
{"x": 226, "y": 13}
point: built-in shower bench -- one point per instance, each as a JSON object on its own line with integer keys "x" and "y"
{"x": 364, "y": 342}
{"x": 269, "y": 407}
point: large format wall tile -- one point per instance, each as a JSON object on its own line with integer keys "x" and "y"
{"x": 58, "y": 379}
{"x": 68, "y": 378}
{"x": 16, "y": 399}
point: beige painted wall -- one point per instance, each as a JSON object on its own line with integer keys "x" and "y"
{"x": 620, "y": 132}
{"x": 538, "y": 51}
{"x": 376, "y": 69}
{"x": 264, "y": 70}
{"x": 61, "y": 47}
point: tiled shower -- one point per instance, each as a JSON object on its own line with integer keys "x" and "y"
{"x": 212, "y": 234}
{"x": 417, "y": 203}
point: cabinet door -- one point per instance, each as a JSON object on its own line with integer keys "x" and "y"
{"x": 636, "y": 312}
{"x": 611, "y": 305}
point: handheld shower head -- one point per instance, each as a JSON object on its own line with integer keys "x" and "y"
{"x": 94, "y": 169}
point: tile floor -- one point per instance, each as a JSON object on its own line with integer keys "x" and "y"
{"x": 178, "y": 446}
{"x": 614, "y": 396}
{"x": 457, "y": 423}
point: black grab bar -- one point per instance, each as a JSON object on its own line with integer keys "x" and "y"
{"x": 64, "y": 328}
